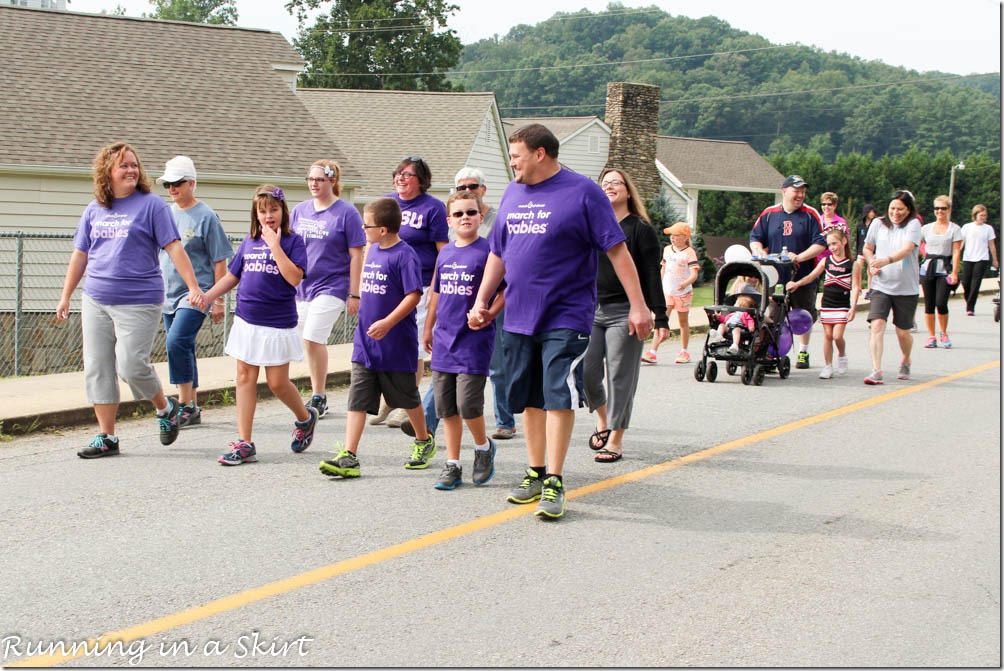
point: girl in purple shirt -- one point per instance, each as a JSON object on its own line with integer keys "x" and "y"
{"x": 268, "y": 265}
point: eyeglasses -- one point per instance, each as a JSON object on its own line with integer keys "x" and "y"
{"x": 372, "y": 226}
{"x": 458, "y": 214}
{"x": 404, "y": 175}
{"x": 317, "y": 180}
{"x": 168, "y": 185}
{"x": 468, "y": 187}
{"x": 940, "y": 207}
{"x": 827, "y": 204}
{"x": 612, "y": 183}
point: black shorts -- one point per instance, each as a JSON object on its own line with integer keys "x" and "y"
{"x": 366, "y": 386}
{"x": 459, "y": 394}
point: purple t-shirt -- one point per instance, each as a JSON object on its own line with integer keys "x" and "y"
{"x": 388, "y": 276}
{"x": 264, "y": 297}
{"x": 328, "y": 235}
{"x": 423, "y": 224}
{"x": 549, "y": 236}
{"x": 122, "y": 243}
{"x": 455, "y": 347}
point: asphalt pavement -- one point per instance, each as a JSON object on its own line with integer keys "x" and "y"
{"x": 803, "y": 522}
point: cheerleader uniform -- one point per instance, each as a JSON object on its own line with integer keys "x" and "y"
{"x": 836, "y": 291}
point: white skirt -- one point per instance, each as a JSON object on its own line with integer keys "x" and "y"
{"x": 263, "y": 345}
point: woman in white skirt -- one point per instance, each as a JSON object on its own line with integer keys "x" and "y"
{"x": 268, "y": 265}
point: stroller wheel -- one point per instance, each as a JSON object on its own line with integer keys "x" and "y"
{"x": 758, "y": 375}
{"x": 784, "y": 367}
{"x": 748, "y": 373}
{"x": 712, "y": 371}
{"x": 699, "y": 369}
{"x": 731, "y": 368}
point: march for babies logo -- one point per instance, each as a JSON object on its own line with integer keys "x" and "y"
{"x": 533, "y": 221}
{"x": 374, "y": 279}
{"x": 114, "y": 225}
{"x": 454, "y": 279}
{"x": 311, "y": 229}
{"x": 259, "y": 260}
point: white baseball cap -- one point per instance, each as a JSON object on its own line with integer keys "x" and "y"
{"x": 178, "y": 168}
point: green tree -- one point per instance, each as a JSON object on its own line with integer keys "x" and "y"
{"x": 377, "y": 44}
{"x": 216, "y": 12}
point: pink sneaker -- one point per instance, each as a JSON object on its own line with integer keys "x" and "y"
{"x": 932, "y": 343}
{"x": 683, "y": 357}
{"x": 946, "y": 342}
{"x": 650, "y": 357}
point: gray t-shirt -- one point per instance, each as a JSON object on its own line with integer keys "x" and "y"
{"x": 205, "y": 242}
{"x": 901, "y": 278}
{"x": 939, "y": 245}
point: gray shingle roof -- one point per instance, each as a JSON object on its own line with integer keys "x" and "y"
{"x": 376, "y": 129}
{"x": 717, "y": 165}
{"x": 77, "y": 81}
{"x": 561, "y": 126}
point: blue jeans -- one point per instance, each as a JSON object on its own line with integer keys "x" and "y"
{"x": 497, "y": 373}
{"x": 181, "y": 328}
{"x": 429, "y": 407}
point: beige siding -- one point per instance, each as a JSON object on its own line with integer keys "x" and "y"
{"x": 488, "y": 155}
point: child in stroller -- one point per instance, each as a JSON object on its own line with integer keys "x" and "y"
{"x": 739, "y": 323}
{"x": 763, "y": 342}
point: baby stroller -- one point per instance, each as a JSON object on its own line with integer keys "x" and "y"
{"x": 762, "y": 349}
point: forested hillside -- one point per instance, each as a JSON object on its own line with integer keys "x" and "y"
{"x": 722, "y": 83}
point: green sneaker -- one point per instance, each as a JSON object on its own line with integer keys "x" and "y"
{"x": 345, "y": 465}
{"x": 529, "y": 490}
{"x": 421, "y": 452}
{"x": 552, "y": 499}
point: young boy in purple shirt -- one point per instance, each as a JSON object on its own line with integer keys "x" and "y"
{"x": 461, "y": 355}
{"x": 384, "y": 356}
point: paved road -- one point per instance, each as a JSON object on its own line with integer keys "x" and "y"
{"x": 804, "y": 522}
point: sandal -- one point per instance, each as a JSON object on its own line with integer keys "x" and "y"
{"x": 601, "y": 439}
{"x": 607, "y": 456}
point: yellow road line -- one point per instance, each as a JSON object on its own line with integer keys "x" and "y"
{"x": 315, "y": 576}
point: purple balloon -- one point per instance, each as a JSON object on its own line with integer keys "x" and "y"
{"x": 783, "y": 343}
{"x": 800, "y": 321}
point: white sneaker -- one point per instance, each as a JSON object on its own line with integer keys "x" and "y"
{"x": 841, "y": 365}
{"x": 715, "y": 337}
{"x": 826, "y": 373}
{"x": 733, "y": 349}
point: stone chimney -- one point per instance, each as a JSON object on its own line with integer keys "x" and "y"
{"x": 633, "y": 117}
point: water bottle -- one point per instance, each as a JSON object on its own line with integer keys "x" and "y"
{"x": 784, "y": 252}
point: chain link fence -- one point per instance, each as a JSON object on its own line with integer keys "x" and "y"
{"x": 34, "y": 342}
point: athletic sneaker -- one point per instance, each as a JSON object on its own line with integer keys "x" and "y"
{"x": 932, "y": 343}
{"x": 841, "y": 365}
{"x": 484, "y": 464}
{"x": 733, "y": 349}
{"x": 715, "y": 337}
{"x": 303, "y": 432}
{"x": 970, "y": 313}
{"x": 529, "y": 490}
{"x": 874, "y": 378}
{"x": 946, "y": 342}
{"x": 408, "y": 427}
{"x": 683, "y": 357}
{"x": 552, "y": 499}
{"x": 319, "y": 402}
{"x": 904, "y": 372}
{"x": 650, "y": 357}
{"x": 803, "y": 360}
{"x": 504, "y": 433}
{"x": 421, "y": 452}
{"x": 169, "y": 425}
{"x": 345, "y": 465}
{"x": 241, "y": 452}
{"x": 826, "y": 373}
{"x": 382, "y": 415}
{"x": 450, "y": 478}
{"x": 190, "y": 415}
{"x": 397, "y": 418}
{"x": 100, "y": 446}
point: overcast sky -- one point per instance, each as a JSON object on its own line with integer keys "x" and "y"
{"x": 958, "y": 37}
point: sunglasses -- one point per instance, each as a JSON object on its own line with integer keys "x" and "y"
{"x": 468, "y": 187}
{"x": 827, "y": 204}
{"x": 940, "y": 207}
{"x": 469, "y": 213}
{"x": 168, "y": 185}
{"x": 412, "y": 159}
{"x": 373, "y": 226}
